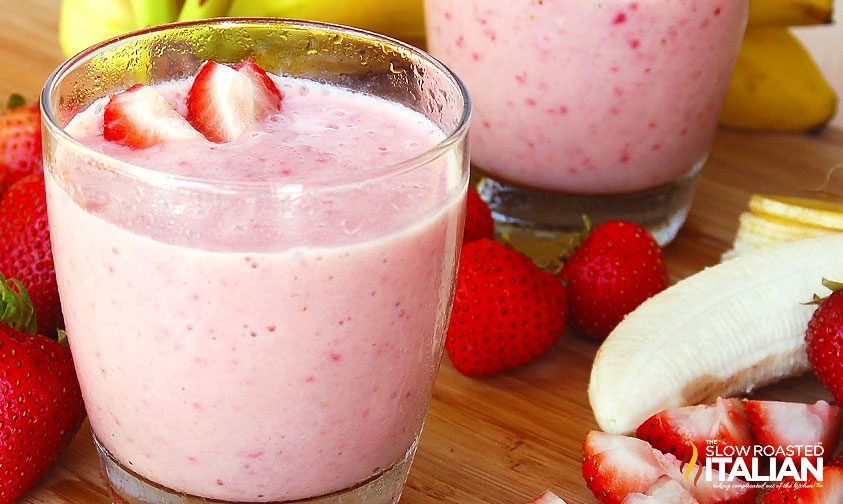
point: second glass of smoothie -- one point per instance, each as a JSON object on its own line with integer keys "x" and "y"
{"x": 259, "y": 320}
{"x": 605, "y": 108}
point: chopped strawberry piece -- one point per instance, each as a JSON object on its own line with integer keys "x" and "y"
{"x": 828, "y": 491}
{"x": 615, "y": 466}
{"x": 782, "y": 424}
{"x": 267, "y": 96}
{"x": 140, "y": 117}
{"x": 665, "y": 491}
{"x": 675, "y": 430}
{"x": 547, "y": 497}
{"x": 220, "y": 102}
{"x": 223, "y": 103}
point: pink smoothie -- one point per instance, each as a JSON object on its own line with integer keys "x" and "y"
{"x": 262, "y": 345}
{"x": 590, "y": 97}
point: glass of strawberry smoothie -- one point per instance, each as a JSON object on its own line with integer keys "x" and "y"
{"x": 256, "y": 309}
{"x": 605, "y": 108}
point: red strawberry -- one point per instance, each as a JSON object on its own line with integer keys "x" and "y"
{"x": 829, "y": 491}
{"x": 617, "y": 268}
{"x": 140, "y": 117}
{"x": 40, "y": 401}
{"x": 25, "y": 251}
{"x": 547, "y": 497}
{"x": 478, "y": 218}
{"x": 673, "y": 430}
{"x": 20, "y": 142}
{"x": 267, "y": 95}
{"x": 665, "y": 491}
{"x": 616, "y": 466}
{"x": 506, "y": 312}
{"x": 223, "y": 102}
{"x": 783, "y": 424}
{"x": 824, "y": 339}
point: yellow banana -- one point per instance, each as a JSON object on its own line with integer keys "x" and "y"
{"x": 83, "y": 23}
{"x": 777, "y": 85}
{"x": 86, "y": 22}
{"x": 402, "y": 19}
{"x": 202, "y": 9}
{"x": 790, "y": 12}
{"x": 150, "y": 13}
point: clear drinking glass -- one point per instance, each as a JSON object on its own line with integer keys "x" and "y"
{"x": 583, "y": 107}
{"x": 256, "y": 341}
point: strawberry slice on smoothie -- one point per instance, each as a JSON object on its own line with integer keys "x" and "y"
{"x": 141, "y": 117}
{"x": 224, "y": 102}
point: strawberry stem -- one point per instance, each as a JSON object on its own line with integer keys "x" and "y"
{"x": 832, "y": 285}
{"x": 15, "y": 101}
{"x": 16, "y": 310}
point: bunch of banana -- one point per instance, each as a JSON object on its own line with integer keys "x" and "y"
{"x": 773, "y": 220}
{"x": 86, "y": 22}
{"x": 776, "y": 85}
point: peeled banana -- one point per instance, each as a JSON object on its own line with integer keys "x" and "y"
{"x": 777, "y": 85}
{"x": 86, "y": 22}
{"x": 723, "y": 331}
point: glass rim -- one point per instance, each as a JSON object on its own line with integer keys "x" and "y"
{"x": 157, "y": 178}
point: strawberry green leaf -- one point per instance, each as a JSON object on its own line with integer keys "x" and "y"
{"x": 16, "y": 308}
{"x": 15, "y": 101}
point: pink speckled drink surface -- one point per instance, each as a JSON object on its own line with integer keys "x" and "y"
{"x": 291, "y": 363}
{"x": 586, "y": 96}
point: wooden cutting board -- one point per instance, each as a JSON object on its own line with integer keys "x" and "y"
{"x": 507, "y": 438}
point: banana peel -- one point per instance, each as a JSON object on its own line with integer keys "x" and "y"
{"x": 790, "y": 12}
{"x": 83, "y": 23}
{"x": 777, "y": 86}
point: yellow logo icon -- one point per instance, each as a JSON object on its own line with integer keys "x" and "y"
{"x": 691, "y": 465}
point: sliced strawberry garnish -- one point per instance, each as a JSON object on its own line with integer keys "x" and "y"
{"x": 674, "y": 430}
{"x": 267, "y": 96}
{"x": 547, "y": 497}
{"x": 223, "y": 102}
{"x": 615, "y": 466}
{"x": 783, "y": 424}
{"x": 665, "y": 491}
{"x": 140, "y": 117}
{"x": 828, "y": 491}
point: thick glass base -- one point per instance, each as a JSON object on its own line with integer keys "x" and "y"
{"x": 525, "y": 214}
{"x": 127, "y": 487}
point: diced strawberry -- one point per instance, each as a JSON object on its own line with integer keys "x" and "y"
{"x": 223, "y": 102}
{"x": 267, "y": 96}
{"x": 665, "y": 491}
{"x": 783, "y": 424}
{"x": 674, "y": 430}
{"x": 547, "y": 497}
{"x": 140, "y": 117}
{"x": 829, "y": 491}
{"x": 615, "y": 466}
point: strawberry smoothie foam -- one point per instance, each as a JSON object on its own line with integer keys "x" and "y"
{"x": 586, "y": 96}
{"x": 257, "y": 345}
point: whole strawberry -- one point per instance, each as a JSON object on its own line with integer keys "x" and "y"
{"x": 40, "y": 401}
{"x": 506, "y": 312}
{"x": 617, "y": 268}
{"x": 824, "y": 339}
{"x": 20, "y": 142}
{"x": 478, "y": 218}
{"x": 25, "y": 251}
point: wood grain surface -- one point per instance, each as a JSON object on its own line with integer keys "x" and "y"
{"x": 507, "y": 438}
